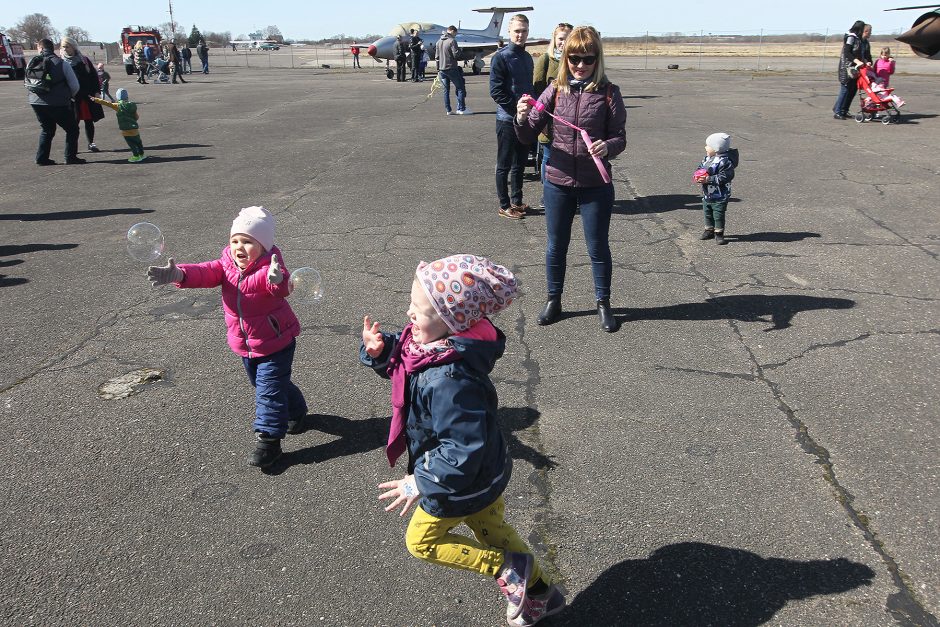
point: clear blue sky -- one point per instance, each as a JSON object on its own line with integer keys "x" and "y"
{"x": 316, "y": 20}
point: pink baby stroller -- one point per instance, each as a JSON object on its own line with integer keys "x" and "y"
{"x": 878, "y": 103}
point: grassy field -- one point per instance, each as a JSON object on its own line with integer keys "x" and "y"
{"x": 750, "y": 49}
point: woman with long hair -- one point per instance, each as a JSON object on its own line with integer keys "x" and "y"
{"x": 86, "y": 110}
{"x": 584, "y": 97}
{"x": 850, "y": 60}
{"x": 546, "y": 69}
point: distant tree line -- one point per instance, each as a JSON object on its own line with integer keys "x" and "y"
{"x": 678, "y": 38}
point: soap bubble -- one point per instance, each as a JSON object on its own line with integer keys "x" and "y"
{"x": 145, "y": 242}
{"x": 306, "y": 286}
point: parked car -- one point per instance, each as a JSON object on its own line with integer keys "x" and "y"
{"x": 269, "y": 46}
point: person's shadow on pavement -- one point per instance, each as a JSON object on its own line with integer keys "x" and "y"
{"x": 354, "y": 437}
{"x": 693, "y": 583}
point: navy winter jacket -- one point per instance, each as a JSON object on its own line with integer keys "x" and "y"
{"x": 456, "y": 449}
{"x": 510, "y": 76}
{"x": 720, "y": 173}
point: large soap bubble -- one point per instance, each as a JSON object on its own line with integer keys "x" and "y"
{"x": 306, "y": 286}
{"x": 145, "y": 242}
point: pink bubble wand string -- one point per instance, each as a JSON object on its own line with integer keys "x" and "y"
{"x": 584, "y": 136}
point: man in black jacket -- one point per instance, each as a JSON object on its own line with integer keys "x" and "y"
{"x": 401, "y": 52}
{"x": 416, "y": 52}
{"x": 53, "y": 107}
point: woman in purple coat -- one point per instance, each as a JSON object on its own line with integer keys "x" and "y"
{"x": 583, "y": 96}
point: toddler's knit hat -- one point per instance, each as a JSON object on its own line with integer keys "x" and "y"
{"x": 121, "y": 94}
{"x": 719, "y": 142}
{"x": 465, "y": 288}
{"x": 257, "y": 222}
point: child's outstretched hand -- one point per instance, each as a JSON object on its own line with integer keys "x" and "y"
{"x": 372, "y": 338}
{"x": 275, "y": 274}
{"x": 161, "y": 275}
{"x": 403, "y": 490}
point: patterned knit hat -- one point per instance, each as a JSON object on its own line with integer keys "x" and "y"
{"x": 256, "y": 222}
{"x": 121, "y": 94}
{"x": 465, "y": 288}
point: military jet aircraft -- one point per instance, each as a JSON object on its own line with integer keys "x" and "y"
{"x": 474, "y": 44}
{"x": 924, "y": 36}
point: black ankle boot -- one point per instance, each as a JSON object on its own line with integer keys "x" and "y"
{"x": 551, "y": 311}
{"x": 608, "y": 322}
{"x": 708, "y": 234}
{"x": 720, "y": 238}
{"x": 267, "y": 451}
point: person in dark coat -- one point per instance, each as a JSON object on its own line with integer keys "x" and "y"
{"x": 186, "y": 55}
{"x": 202, "y": 51}
{"x": 176, "y": 61}
{"x": 415, "y": 45}
{"x": 850, "y": 60}
{"x": 577, "y": 175}
{"x": 401, "y": 53}
{"x": 86, "y": 110}
{"x": 54, "y": 107}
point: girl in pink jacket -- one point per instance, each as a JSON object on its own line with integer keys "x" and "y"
{"x": 884, "y": 67}
{"x": 261, "y": 325}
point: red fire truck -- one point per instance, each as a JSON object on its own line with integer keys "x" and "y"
{"x": 130, "y": 35}
{"x": 12, "y": 61}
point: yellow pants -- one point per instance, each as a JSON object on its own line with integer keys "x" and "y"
{"x": 430, "y": 538}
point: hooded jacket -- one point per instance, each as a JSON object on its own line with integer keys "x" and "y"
{"x": 64, "y": 83}
{"x": 717, "y": 187}
{"x": 456, "y": 450}
{"x": 601, "y": 113}
{"x": 259, "y": 320}
{"x": 446, "y": 53}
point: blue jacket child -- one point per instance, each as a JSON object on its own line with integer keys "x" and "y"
{"x": 444, "y": 412}
{"x": 715, "y": 174}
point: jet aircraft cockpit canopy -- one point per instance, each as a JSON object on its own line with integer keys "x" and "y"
{"x": 404, "y": 28}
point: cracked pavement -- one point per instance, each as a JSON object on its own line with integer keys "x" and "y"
{"x": 757, "y": 444}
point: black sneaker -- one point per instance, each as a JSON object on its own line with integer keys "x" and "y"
{"x": 708, "y": 234}
{"x": 267, "y": 451}
{"x": 45, "y": 162}
{"x": 75, "y": 161}
{"x": 720, "y": 238}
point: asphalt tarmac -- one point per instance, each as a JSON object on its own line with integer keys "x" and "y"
{"x": 758, "y": 444}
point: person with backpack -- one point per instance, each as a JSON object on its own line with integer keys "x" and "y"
{"x": 577, "y": 176}
{"x": 52, "y": 84}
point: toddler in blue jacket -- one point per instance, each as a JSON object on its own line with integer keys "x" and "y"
{"x": 714, "y": 175}
{"x": 444, "y": 414}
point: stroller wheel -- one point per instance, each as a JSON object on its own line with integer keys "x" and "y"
{"x": 891, "y": 116}
{"x": 860, "y": 117}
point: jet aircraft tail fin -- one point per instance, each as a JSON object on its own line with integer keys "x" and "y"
{"x": 496, "y": 22}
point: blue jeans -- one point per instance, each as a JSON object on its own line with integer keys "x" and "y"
{"x": 844, "y": 100}
{"x": 511, "y": 156}
{"x": 455, "y": 76}
{"x": 546, "y": 149}
{"x": 596, "y": 204}
{"x": 205, "y": 65}
{"x": 277, "y": 399}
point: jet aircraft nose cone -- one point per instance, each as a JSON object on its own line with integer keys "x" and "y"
{"x": 372, "y": 50}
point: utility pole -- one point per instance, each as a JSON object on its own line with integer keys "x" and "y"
{"x": 172, "y": 23}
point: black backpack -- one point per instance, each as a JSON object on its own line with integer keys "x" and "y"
{"x": 39, "y": 75}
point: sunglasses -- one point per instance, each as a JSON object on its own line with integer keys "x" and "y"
{"x": 565, "y": 25}
{"x": 576, "y": 60}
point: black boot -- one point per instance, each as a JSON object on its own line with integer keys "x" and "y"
{"x": 608, "y": 321}
{"x": 720, "y": 238}
{"x": 551, "y": 311}
{"x": 267, "y": 451}
{"x": 708, "y": 234}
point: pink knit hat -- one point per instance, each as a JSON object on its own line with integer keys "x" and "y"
{"x": 465, "y": 288}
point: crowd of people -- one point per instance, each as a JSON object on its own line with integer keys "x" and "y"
{"x": 856, "y": 55}
{"x": 67, "y": 89}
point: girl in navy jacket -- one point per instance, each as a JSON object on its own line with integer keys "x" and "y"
{"x": 444, "y": 413}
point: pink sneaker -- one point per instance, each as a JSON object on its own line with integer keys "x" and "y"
{"x": 513, "y": 579}
{"x": 538, "y": 607}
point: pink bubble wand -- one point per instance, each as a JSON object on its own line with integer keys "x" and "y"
{"x": 584, "y": 136}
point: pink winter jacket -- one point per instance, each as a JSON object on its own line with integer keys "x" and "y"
{"x": 884, "y": 68}
{"x": 260, "y": 322}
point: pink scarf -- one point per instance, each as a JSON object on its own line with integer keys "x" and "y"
{"x": 409, "y": 357}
